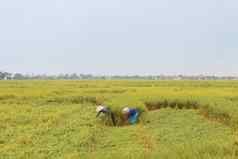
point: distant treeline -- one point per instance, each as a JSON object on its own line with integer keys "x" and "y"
{"x": 74, "y": 76}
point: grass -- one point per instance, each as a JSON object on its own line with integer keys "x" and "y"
{"x": 181, "y": 119}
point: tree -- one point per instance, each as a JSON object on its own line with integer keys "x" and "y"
{"x": 18, "y": 76}
{"x": 74, "y": 76}
{"x": 5, "y": 75}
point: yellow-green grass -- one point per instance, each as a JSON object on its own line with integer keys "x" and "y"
{"x": 56, "y": 119}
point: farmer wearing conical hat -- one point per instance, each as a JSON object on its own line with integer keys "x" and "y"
{"x": 131, "y": 115}
{"x": 103, "y": 110}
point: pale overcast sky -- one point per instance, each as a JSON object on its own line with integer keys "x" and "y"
{"x": 119, "y": 36}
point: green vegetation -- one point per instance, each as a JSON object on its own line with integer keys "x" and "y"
{"x": 181, "y": 119}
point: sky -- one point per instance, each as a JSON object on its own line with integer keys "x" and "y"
{"x": 119, "y": 37}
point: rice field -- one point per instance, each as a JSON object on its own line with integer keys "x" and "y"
{"x": 180, "y": 119}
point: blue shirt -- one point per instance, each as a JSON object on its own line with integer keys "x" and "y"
{"x": 133, "y": 117}
{"x": 133, "y": 112}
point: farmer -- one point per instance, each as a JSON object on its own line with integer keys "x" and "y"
{"x": 106, "y": 112}
{"x": 131, "y": 115}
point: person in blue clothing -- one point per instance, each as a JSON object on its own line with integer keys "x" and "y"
{"x": 131, "y": 114}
